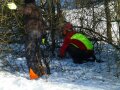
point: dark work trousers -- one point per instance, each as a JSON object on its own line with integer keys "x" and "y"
{"x": 80, "y": 56}
{"x": 33, "y": 55}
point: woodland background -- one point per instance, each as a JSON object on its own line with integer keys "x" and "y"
{"x": 97, "y": 19}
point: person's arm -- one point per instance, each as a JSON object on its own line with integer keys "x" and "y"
{"x": 66, "y": 42}
{"x": 64, "y": 46}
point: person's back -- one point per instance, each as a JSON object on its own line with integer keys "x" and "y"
{"x": 77, "y": 45}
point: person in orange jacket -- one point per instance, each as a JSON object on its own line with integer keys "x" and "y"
{"x": 78, "y": 46}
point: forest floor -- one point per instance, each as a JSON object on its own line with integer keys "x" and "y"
{"x": 65, "y": 75}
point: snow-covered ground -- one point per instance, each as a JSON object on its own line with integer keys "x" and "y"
{"x": 65, "y": 75}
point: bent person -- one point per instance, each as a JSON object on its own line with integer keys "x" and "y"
{"x": 78, "y": 46}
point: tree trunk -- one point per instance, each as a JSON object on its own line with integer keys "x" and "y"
{"x": 119, "y": 32}
{"x": 58, "y": 8}
{"x": 118, "y": 16}
{"x": 108, "y": 18}
{"x": 77, "y": 4}
{"x": 53, "y": 26}
{"x": 117, "y": 19}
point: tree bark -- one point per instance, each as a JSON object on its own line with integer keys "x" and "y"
{"x": 118, "y": 16}
{"x": 108, "y": 18}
